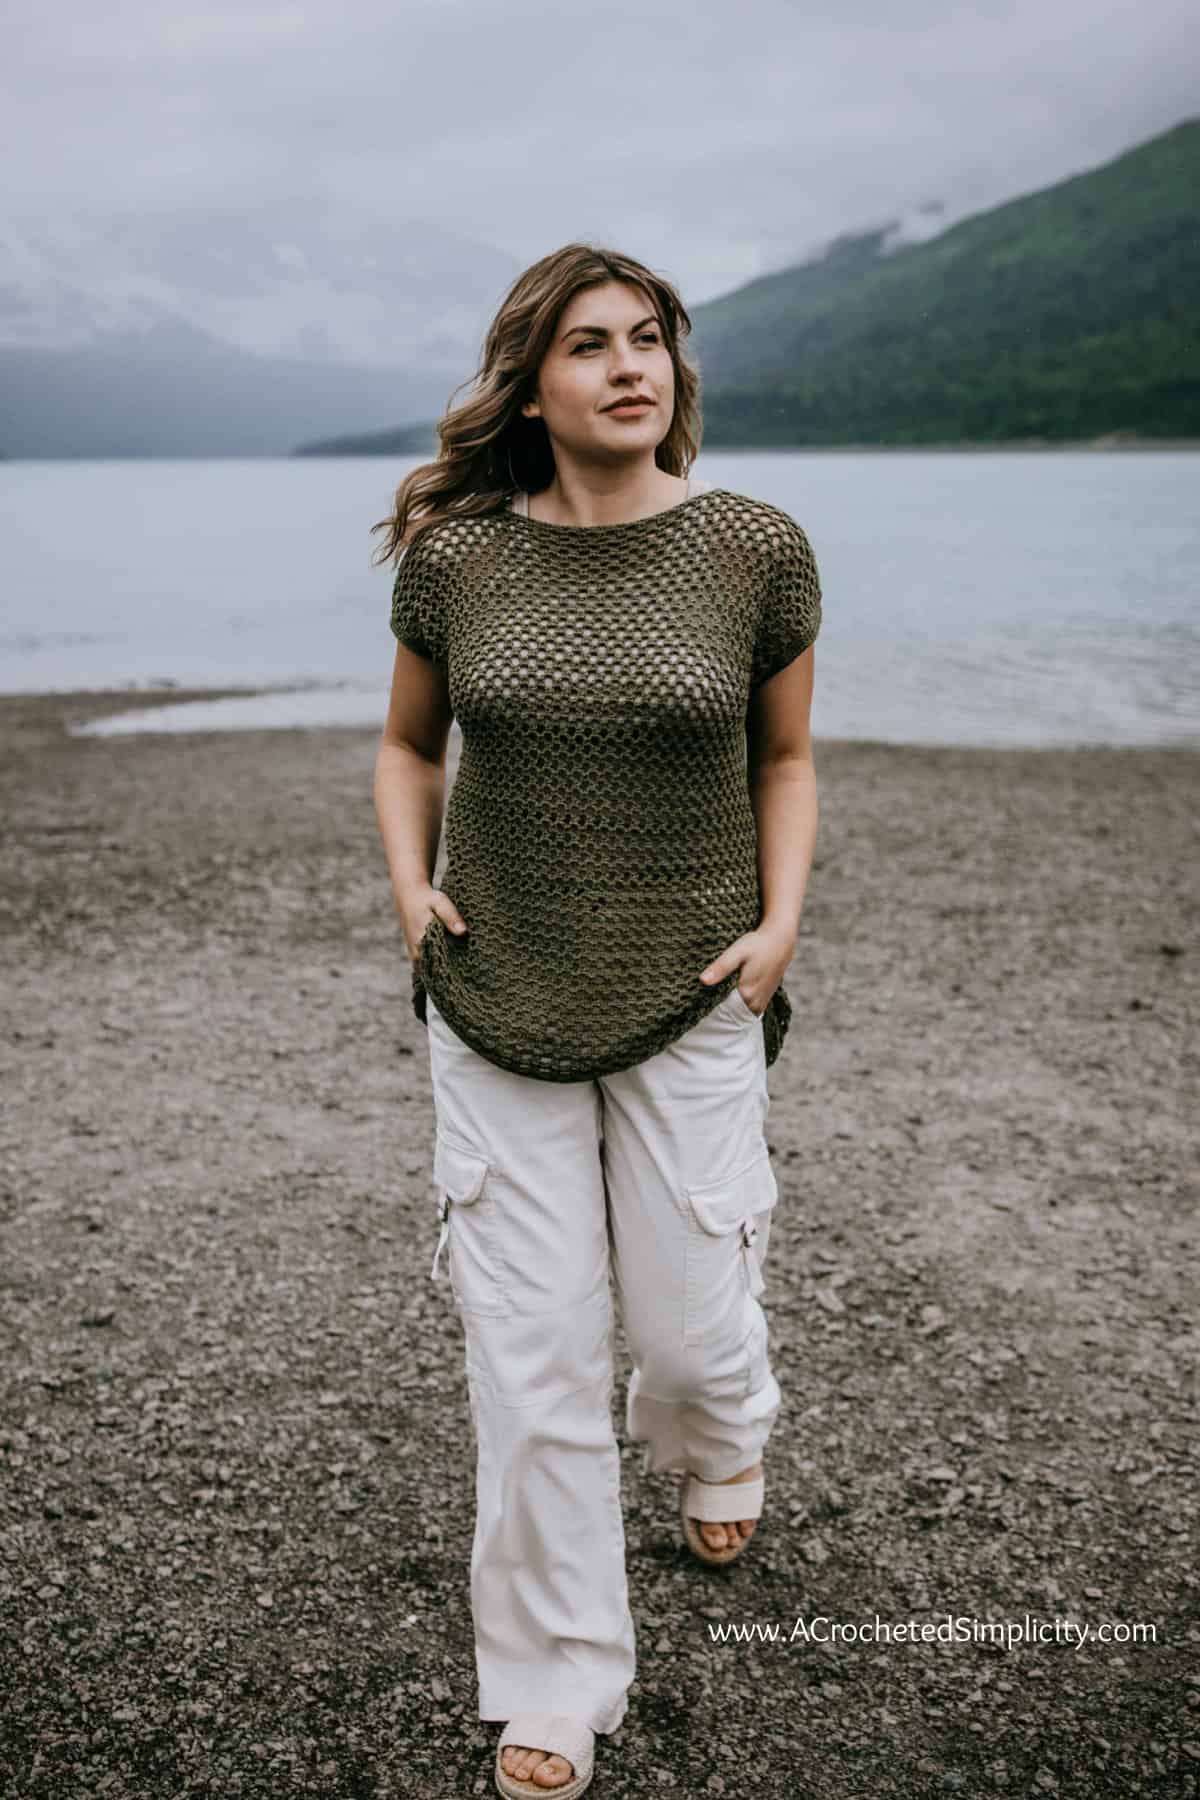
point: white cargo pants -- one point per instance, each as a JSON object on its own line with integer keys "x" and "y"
{"x": 659, "y": 1174}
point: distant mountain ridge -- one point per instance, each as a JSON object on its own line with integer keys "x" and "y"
{"x": 1070, "y": 313}
{"x": 230, "y": 334}
{"x": 174, "y": 391}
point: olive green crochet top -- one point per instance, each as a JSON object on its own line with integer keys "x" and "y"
{"x": 600, "y": 838}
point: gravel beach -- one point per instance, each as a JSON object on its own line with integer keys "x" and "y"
{"x": 236, "y": 1463}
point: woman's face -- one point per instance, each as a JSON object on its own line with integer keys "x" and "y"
{"x": 608, "y": 346}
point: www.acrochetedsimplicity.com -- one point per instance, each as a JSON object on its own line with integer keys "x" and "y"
{"x": 818, "y": 1628}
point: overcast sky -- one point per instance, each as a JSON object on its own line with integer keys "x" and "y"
{"x": 713, "y": 139}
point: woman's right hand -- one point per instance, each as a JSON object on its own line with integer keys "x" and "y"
{"x": 418, "y": 907}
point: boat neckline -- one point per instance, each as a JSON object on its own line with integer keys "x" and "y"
{"x": 665, "y": 512}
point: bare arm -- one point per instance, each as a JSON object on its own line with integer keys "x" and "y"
{"x": 783, "y": 792}
{"x": 783, "y": 789}
{"x": 410, "y": 785}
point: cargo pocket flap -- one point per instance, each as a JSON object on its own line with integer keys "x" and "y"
{"x": 722, "y": 1206}
{"x": 457, "y": 1170}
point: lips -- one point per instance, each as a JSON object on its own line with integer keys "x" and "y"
{"x": 629, "y": 404}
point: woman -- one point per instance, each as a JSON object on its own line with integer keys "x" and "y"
{"x": 628, "y": 654}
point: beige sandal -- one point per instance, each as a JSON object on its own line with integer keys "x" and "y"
{"x": 709, "y": 1502}
{"x": 557, "y": 1735}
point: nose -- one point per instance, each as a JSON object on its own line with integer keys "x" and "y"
{"x": 621, "y": 362}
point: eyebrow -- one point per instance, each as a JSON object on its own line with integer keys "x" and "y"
{"x": 602, "y": 330}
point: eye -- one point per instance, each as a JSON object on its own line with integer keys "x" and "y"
{"x": 644, "y": 337}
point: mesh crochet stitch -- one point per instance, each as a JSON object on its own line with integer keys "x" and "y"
{"x": 601, "y": 842}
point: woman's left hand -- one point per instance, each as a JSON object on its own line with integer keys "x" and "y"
{"x": 762, "y": 956}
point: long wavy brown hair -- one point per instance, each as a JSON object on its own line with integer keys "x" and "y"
{"x": 487, "y": 449}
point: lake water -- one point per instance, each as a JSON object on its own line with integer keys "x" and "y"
{"x": 1023, "y": 597}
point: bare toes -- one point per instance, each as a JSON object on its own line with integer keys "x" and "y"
{"x": 720, "y": 1537}
{"x": 546, "y": 1768}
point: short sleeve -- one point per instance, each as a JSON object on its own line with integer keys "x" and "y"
{"x": 790, "y": 616}
{"x": 419, "y": 600}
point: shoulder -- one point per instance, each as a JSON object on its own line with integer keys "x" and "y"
{"x": 433, "y": 541}
{"x": 447, "y": 544}
{"x": 775, "y": 541}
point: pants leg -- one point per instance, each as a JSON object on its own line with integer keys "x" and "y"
{"x": 690, "y": 1191}
{"x": 521, "y": 1189}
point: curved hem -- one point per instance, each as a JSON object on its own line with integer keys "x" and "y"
{"x": 719, "y": 994}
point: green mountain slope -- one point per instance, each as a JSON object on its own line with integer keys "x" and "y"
{"x": 1065, "y": 314}
{"x": 1069, "y": 313}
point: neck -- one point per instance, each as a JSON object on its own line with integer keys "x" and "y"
{"x": 585, "y": 498}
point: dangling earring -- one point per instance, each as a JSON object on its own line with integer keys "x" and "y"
{"x": 511, "y": 475}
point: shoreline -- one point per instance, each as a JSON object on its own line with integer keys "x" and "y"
{"x": 1107, "y": 443}
{"x": 64, "y": 710}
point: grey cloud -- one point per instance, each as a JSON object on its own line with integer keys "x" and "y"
{"x": 716, "y": 143}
